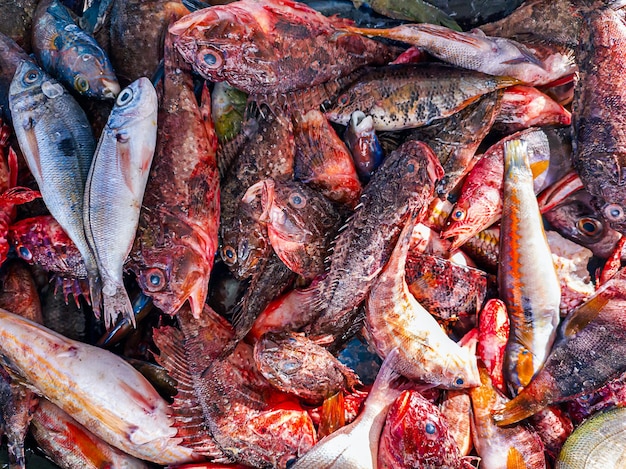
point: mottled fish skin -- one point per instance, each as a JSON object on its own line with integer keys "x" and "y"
{"x": 599, "y": 141}
{"x": 402, "y": 185}
{"x": 589, "y": 352}
{"x": 295, "y": 364}
{"x": 69, "y": 444}
{"x": 70, "y": 54}
{"x": 300, "y": 223}
{"x": 264, "y": 47}
{"x": 395, "y": 319}
{"x": 474, "y": 50}
{"x": 416, "y": 434}
{"x": 528, "y": 285}
{"x": 57, "y": 142}
{"x": 176, "y": 238}
{"x": 596, "y": 444}
{"x": 412, "y": 95}
{"x": 115, "y": 189}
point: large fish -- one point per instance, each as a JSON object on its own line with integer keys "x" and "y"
{"x": 115, "y": 189}
{"x": 57, "y": 142}
{"x": 599, "y": 141}
{"x": 177, "y": 234}
{"x": 264, "y": 47}
{"x": 70, "y": 54}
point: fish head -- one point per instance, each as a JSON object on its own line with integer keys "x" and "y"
{"x": 246, "y": 248}
{"x": 416, "y": 434}
{"x": 136, "y": 102}
{"x": 29, "y": 77}
{"x": 171, "y": 275}
{"x": 90, "y": 72}
{"x": 354, "y": 99}
{"x": 230, "y": 44}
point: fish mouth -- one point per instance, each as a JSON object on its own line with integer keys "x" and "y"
{"x": 110, "y": 88}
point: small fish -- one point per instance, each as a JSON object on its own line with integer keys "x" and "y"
{"x": 395, "y": 319}
{"x": 516, "y": 446}
{"x": 599, "y": 145}
{"x": 123, "y": 410}
{"x": 294, "y": 364}
{"x": 115, "y": 188}
{"x": 355, "y": 446}
{"x": 588, "y": 353}
{"x": 474, "y": 50}
{"x": 528, "y": 284}
{"x": 408, "y": 96}
{"x": 58, "y": 144}
{"x": 69, "y": 444}
{"x": 70, "y": 54}
{"x": 416, "y": 434}
{"x": 366, "y": 150}
{"x": 287, "y": 46}
{"x": 596, "y": 444}
{"x": 456, "y": 409}
{"x": 300, "y": 223}
{"x": 493, "y": 335}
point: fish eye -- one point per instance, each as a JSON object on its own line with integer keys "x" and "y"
{"x": 86, "y": 57}
{"x": 229, "y": 255}
{"x": 459, "y": 381}
{"x": 31, "y": 77}
{"x": 589, "y": 226}
{"x": 213, "y": 59}
{"x": 344, "y": 99}
{"x": 291, "y": 462}
{"x": 458, "y": 214}
{"x": 614, "y": 212}
{"x": 297, "y": 200}
{"x": 411, "y": 166}
{"x": 24, "y": 253}
{"x": 81, "y": 84}
{"x": 430, "y": 428}
{"x": 154, "y": 279}
{"x": 125, "y": 97}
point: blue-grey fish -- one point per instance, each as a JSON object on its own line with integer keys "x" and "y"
{"x": 70, "y": 54}
{"x": 115, "y": 187}
{"x": 57, "y": 142}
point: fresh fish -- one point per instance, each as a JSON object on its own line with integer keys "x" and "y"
{"x": 487, "y": 54}
{"x": 598, "y": 143}
{"x": 323, "y": 161}
{"x": 588, "y": 353}
{"x": 401, "y": 186}
{"x": 484, "y": 248}
{"x": 224, "y": 408}
{"x": 525, "y": 106}
{"x": 456, "y": 409}
{"x": 366, "y": 150}
{"x": 57, "y": 142}
{"x": 394, "y": 319}
{"x": 528, "y": 284}
{"x": 553, "y": 426}
{"x": 598, "y": 443}
{"x": 501, "y": 448}
{"x": 456, "y": 139}
{"x": 479, "y": 203}
{"x": 407, "y": 96}
{"x": 11, "y": 56}
{"x": 228, "y": 105}
{"x": 137, "y": 32}
{"x": 355, "y": 446}
{"x": 294, "y": 364}
{"x": 416, "y": 434}
{"x": 493, "y": 335}
{"x": 300, "y": 223}
{"x": 286, "y": 46}
{"x": 414, "y": 10}
{"x": 123, "y": 410}
{"x": 70, "y": 445}
{"x": 176, "y": 238}
{"x": 70, "y": 54}
{"x": 115, "y": 188}
{"x": 612, "y": 394}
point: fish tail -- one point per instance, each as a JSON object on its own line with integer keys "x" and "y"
{"x": 516, "y": 154}
{"x": 535, "y": 397}
{"x": 95, "y": 293}
{"x": 116, "y": 302}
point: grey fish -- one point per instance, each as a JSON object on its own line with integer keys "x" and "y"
{"x": 57, "y": 142}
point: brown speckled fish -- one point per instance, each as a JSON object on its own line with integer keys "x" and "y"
{"x": 176, "y": 238}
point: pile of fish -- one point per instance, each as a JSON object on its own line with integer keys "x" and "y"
{"x": 278, "y": 235}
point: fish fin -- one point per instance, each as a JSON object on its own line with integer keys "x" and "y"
{"x": 19, "y": 195}
{"x": 95, "y": 293}
{"x": 186, "y": 409}
{"x": 515, "y": 459}
{"x": 58, "y": 11}
{"x": 33, "y": 149}
{"x": 13, "y": 167}
{"x": 116, "y": 302}
{"x": 584, "y": 314}
{"x": 333, "y": 415}
{"x": 519, "y": 408}
{"x": 205, "y": 113}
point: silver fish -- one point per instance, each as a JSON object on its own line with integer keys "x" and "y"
{"x": 56, "y": 139}
{"x": 115, "y": 188}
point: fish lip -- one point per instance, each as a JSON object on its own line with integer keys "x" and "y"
{"x": 110, "y": 88}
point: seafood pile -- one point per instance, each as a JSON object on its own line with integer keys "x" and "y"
{"x": 275, "y": 234}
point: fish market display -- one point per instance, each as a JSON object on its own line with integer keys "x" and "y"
{"x": 285, "y": 195}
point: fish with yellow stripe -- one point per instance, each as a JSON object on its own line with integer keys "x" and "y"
{"x": 527, "y": 279}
